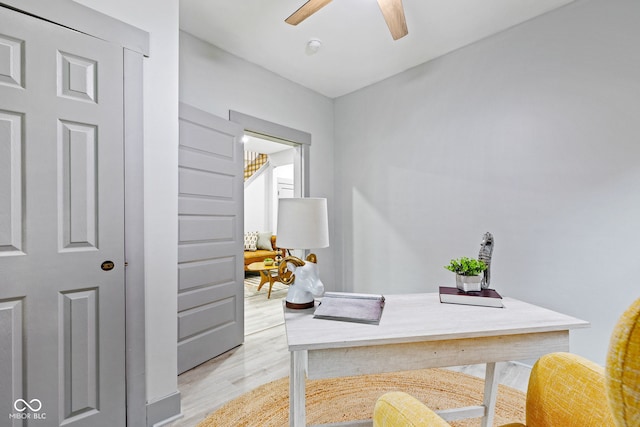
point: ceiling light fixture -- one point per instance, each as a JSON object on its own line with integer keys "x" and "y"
{"x": 313, "y": 46}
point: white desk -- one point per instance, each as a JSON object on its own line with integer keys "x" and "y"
{"x": 417, "y": 331}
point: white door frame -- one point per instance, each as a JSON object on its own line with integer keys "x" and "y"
{"x": 135, "y": 43}
{"x": 279, "y": 133}
{"x": 270, "y": 130}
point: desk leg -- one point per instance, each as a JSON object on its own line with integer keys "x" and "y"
{"x": 490, "y": 393}
{"x": 297, "y": 397}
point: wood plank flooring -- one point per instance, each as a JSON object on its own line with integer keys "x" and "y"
{"x": 264, "y": 357}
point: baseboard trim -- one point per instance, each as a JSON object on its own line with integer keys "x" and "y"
{"x": 164, "y": 410}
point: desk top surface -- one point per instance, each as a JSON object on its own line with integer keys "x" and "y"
{"x": 421, "y": 317}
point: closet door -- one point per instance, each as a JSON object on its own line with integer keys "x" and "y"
{"x": 62, "y": 326}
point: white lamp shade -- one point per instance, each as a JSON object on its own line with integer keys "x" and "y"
{"x": 303, "y": 223}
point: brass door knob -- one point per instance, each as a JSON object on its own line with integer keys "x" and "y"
{"x": 107, "y": 265}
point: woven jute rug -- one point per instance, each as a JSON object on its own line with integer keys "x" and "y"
{"x": 353, "y": 398}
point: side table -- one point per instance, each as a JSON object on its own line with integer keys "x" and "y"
{"x": 266, "y": 274}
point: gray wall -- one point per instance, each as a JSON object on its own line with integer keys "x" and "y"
{"x": 161, "y": 183}
{"x": 534, "y": 135}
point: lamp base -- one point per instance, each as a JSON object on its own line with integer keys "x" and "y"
{"x": 299, "y": 306}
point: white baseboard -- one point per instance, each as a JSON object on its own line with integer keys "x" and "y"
{"x": 164, "y": 410}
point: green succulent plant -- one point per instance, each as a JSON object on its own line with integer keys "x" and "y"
{"x": 466, "y": 266}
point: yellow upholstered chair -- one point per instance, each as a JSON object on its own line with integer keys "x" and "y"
{"x": 565, "y": 390}
{"x": 623, "y": 369}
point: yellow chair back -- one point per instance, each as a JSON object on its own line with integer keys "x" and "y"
{"x": 623, "y": 368}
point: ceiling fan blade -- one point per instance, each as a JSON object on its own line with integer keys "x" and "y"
{"x": 306, "y": 10}
{"x": 393, "y": 13}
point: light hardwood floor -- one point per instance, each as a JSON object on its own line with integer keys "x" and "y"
{"x": 264, "y": 357}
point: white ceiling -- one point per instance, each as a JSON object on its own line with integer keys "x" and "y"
{"x": 259, "y": 145}
{"x": 357, "y": 47}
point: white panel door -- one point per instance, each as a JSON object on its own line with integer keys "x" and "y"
{"x": 285, "y": 188}
{"x": 62, "y": 354}
{"x": 210, "y": 248}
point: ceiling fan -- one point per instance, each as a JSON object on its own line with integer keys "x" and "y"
{"x": 391, "y": 10}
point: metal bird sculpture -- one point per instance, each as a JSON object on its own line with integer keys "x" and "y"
{"x": 486, "y": 249}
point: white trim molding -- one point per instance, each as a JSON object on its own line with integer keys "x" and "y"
{"x": 86, "y": 20}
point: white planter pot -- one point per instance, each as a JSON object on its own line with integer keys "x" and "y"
{"x": 469, "y": 283}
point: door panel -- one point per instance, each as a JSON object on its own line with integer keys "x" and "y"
{"x": 198, "y": 183}
{"x": 11, "y": 339}
{"x": 11, "y": 55}
{"x": 77, "y": 186}
{"x": 61, "y": 217}
{"x": 210, "y": 260}
{"x": 11, "y": 234}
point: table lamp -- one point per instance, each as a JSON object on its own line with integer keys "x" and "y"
{"x": 302, "y": 224}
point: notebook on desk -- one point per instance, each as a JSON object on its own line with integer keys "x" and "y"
{"x": 351, "y": 307}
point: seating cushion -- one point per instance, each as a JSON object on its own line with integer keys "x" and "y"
{"x": 250, "y": 240}
{"x": 264, "y": 241}
{"x": 401, "y": 409}
{"x": 623, "y": 368}
{"x": 567, "y": 390}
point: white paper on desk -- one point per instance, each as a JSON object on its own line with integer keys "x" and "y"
{"x": 351, "y": 307}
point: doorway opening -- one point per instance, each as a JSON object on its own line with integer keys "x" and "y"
{"x": 285, "y": 152}
{"x": 269, "y": 175}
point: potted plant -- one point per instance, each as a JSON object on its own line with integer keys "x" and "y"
{"x": 268, "y": 262}
{"x": 468, "y": 273}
